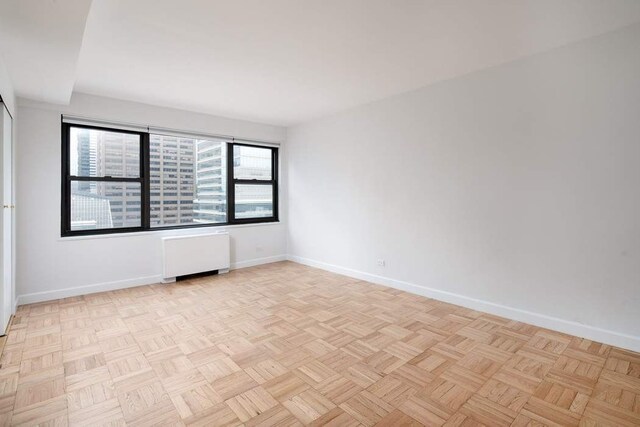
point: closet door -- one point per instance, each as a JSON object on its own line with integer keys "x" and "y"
{"x": 7, "y": 217}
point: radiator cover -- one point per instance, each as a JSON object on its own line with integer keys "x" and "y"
{"x": 183, "y": 255}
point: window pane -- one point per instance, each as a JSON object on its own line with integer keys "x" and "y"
{"x": 251, "y": 162}
{"x": 96, "y": 152}
{"x": 254, "y": 201}
{"x": 188, "y": 181}
{"x": 99, "y": 205}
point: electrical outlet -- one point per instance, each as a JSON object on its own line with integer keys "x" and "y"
{"x": 381, "y": 263}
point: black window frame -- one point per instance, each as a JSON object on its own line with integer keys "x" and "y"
{"x": 232, "y": 181}
{"x": 145, "y": 180}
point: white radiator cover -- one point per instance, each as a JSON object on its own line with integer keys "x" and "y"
{"x": 182, "y": 255}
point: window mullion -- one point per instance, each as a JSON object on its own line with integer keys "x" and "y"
{"x": 145, "y": 173}
{"x": 65, "y": 218}
{"x": 231, "y": 194}
{"x": 274, "y": 176}
{"x": 104, "y": 179}
{"x": 253, "y": 182}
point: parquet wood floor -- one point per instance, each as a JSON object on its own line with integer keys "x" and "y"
{"x": 284, "y": 344}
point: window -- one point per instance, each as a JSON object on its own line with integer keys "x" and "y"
{"x": 122, "y": 181}
{"x": 254, "y": 183}
{"x": 104, "y": 182}
{"x": 188, "y": 181}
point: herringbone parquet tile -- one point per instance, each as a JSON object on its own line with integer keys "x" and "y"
{"x": 287, "y": 345}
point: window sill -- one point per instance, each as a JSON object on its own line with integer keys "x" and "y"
{"x": 170, "y": 232}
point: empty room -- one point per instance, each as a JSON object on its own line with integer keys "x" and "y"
{"x": 320, "y": 212}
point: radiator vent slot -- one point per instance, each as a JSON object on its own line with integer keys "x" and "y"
{"x": 197, "y": 275}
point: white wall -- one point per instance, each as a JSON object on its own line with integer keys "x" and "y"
{"x": 51, "y": 267}
{"x": 515, "y": 190}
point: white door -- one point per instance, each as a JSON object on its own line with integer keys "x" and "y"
{"x": 6, "y": 227}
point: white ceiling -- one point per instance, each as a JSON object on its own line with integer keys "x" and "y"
{"x": 40, "y": 43}
{"x": 288, "y": 61}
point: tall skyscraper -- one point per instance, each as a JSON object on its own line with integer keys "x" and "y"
{"x": 118, "y": 155}
{"x": 86, "y": 153}
{"x": 172, "y": 164}
{"x": 211, "y": 182}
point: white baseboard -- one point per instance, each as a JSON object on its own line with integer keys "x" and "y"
{"x": 88, "y": 289}
{"x": 257, "y": 261}
{"x": 123, "y": 284}
{"x": 566, "y": 326}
